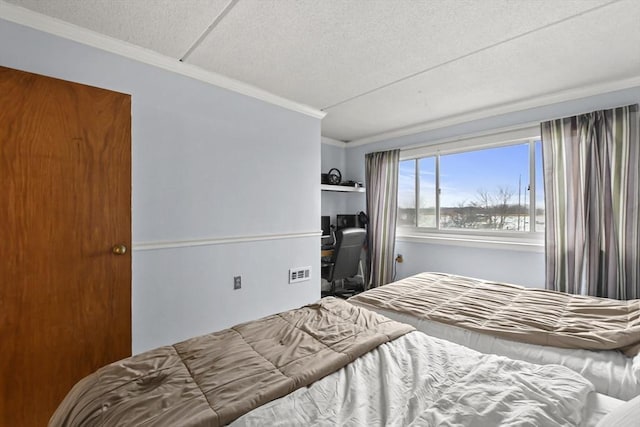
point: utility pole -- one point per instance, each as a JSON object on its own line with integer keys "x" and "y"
{"x": 519, "y": 193}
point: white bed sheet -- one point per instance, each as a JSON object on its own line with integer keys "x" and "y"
{"x": 611, "y": 372}
{"x": 417, "y": 380}
{"x": 599, "y": 406}
{"x": 625, "y": 415}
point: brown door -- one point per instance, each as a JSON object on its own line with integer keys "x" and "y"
{"x": 65, "y": 201}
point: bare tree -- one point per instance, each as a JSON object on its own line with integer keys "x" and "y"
{"x": 494, "y": 208}
{"x": 463, "y": 215}
{"x": 488, "y": 210}
{"x": 501, "y": 205}
{"x": 484, "y": 202}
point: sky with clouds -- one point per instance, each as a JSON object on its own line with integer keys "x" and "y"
{"x": 463, "y": 175}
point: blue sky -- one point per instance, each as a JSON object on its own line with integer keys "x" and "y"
{"x": 462, "y": 175}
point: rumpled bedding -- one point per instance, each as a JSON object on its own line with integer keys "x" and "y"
{"x": 329, "y": 363}
{"x": 534, "y": 316}
{"x": 611, "y": 372}
{"x": 213, "y": 379}
{"x": 417, "y": 380}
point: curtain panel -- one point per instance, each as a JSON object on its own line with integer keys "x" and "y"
{"x": 592, "y": 190}
{"x": 381, "y": 177}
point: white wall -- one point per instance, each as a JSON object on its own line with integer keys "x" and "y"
{"x": 519, "y": 267}
{"x": 208, "y": 164}
{"x": 522, "y": 267}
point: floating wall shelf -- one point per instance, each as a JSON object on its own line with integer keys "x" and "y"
{"x": 342, "y": 188}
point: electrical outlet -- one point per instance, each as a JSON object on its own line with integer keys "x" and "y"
{"x": 237, "y": 282}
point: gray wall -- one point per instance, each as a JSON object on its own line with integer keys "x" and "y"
{"x": 520, "y": 267}
{"x": 208, "y": 165}
{"x": 333, "y": 203}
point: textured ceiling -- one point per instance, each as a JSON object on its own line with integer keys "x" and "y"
{"x": 376, "y": 66}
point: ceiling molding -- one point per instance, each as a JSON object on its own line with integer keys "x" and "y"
{"x": 334, "y": 142}
{"x": 81, "y": 35}
{"x": 525, "y": 104}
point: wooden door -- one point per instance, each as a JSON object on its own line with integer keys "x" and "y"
{"x": 65, "y": 201}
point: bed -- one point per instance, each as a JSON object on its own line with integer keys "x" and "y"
{"x": 598, "y": 338}
{"x": 329, "y": 363}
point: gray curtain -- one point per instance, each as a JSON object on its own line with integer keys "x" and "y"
{"x": 381, "y": 175}
{"x": 592, "y": 192}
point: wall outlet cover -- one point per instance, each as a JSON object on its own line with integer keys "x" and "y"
{"x": 299, "y": 274}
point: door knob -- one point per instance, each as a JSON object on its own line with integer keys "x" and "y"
{"x": 119, "y": 249}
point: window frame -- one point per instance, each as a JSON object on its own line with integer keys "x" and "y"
{"x": 532, "y": 240}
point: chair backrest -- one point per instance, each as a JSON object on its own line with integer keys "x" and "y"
{"x": 346, "y": 255}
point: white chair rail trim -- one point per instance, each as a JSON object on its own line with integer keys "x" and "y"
{"x": 150, "y": 246}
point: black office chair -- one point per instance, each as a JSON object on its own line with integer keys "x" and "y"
{"x": 345, "y": 261}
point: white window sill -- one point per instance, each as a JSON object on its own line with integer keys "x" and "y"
{"x": 526, "y": 242}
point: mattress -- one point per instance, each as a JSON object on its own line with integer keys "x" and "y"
{"x": 403, "y": 383}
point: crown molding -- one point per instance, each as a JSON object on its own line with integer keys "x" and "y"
{"x": 56, "y": 27}
{"x": 334, "y": 142}
{"x": 512, "y": 107}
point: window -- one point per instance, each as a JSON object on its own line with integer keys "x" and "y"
{"x": 496, "y": 188}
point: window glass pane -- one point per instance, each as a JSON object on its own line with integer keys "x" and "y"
{"x": 485, "y": 189}
{"x": 540, "y": 211}
{"x": 427, "y": 195}
{"x": 407, "y": 193}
